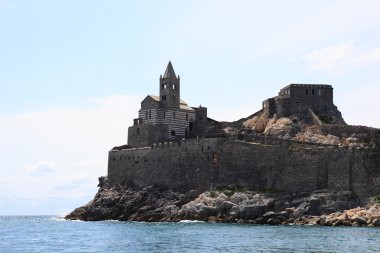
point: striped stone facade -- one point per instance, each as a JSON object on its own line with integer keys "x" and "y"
{"x": 165, "y": 117}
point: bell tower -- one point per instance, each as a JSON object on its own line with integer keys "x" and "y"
{"x": 170, "y": 88}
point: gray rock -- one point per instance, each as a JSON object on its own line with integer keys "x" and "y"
{"x": 360, "y": 220}
{"x": 238, "y": 197}
{"x": 223, "y": 207}
{"x": 207, "y": 211}
{"x": 376, "y": 222}
{"x": 273, "y": 221}
{"x": 251, "y": 212}
{"x": 234, "y": 211}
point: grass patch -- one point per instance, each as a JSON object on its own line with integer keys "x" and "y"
{"x": 376, "y": 198}
{"x": 213, "y": 194}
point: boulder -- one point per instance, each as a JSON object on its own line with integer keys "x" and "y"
{"x": 274, "y": 221}
{"x": 224, "y": 207}
{"x": 251, "y": 212}
{"x": 238, "y": 197}
{"x": 376, "y": 222}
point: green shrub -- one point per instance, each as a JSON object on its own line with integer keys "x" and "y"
{"x": 325, "y": 119}
{"x": 234, "y": 188}
{"x": 271, "y": 190}
{"x": 228, "y": 193}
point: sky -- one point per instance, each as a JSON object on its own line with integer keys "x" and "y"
{"x": 73, "y": 74}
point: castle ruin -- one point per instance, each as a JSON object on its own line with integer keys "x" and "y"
{"x": 300, "y": 99}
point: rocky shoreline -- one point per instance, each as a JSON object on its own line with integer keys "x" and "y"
{"x": 229, "y": 205}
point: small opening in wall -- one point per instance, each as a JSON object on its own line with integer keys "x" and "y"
{"x": 164, "y": 115}
{"x": 307, "y": 92}
{"x": 187, "y": 116}
{"x": 173, "y": 86}
{"x": 173, "y": 133}
{"x": 313, "y": 92}
{"x": 150, "y": 114}
{"x": 138, "y": 131}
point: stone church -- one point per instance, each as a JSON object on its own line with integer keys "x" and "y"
{"x": 167, "y": 117}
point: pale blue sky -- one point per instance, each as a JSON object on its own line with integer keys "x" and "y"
{"x": 72, "y": 75}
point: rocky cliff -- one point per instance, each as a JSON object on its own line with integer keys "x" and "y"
{"x": 266, "y": 171}
{"x": 155, "y": 203}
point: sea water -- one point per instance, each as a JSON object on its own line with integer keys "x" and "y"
{"x": 52, "y": 234}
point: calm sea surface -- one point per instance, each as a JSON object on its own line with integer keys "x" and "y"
{"x": 50, "y": 234}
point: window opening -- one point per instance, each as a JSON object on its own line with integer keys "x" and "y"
{"x": 306, "y": 92}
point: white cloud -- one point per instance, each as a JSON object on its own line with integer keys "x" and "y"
{"x": 370, "y": 57}
{"x": 331, "y": 58}
{"x": 52, "y": 158}
{"x": 41, "y": 168}
{"x": 341, "y": 58}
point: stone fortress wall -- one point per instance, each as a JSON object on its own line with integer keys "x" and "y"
{"x": 252, "y": 162}
{"x": 289, "y": 166}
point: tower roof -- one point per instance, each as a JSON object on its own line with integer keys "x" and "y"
{"x": 169, "y": 72}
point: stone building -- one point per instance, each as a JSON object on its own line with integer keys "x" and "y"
{"x": 166, "y": 117}
{"x": 300, "y": 99}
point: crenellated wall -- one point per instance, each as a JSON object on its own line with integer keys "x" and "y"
{"x": 207, "y": 163}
